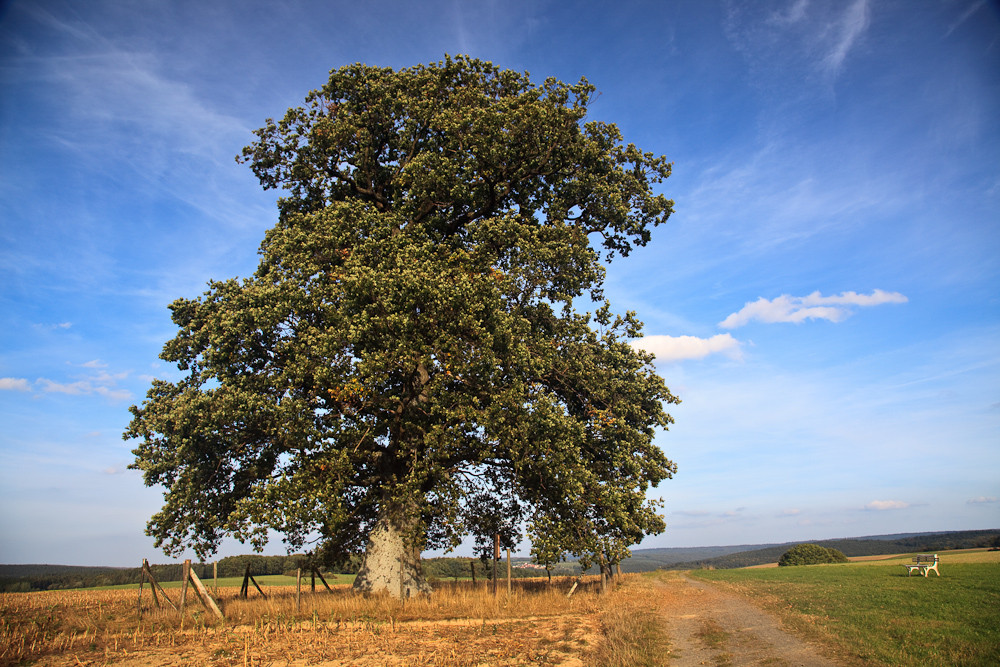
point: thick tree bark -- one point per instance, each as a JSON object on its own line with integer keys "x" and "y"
{"x": 392, "y": 560}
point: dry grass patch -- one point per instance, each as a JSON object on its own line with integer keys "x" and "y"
{"x": 460, "y": 624}
{"x": 632, "y": 627}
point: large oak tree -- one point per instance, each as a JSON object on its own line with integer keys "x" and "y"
{"x": 411, "y": 363}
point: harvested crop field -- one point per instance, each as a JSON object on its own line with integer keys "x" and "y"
{"x": 460, "y": 624}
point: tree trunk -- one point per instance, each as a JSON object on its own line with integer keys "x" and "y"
{"x": 391, "y": 562}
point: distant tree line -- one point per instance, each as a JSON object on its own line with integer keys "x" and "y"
{"x": 27, "y": 578}
{"x": 24, "y": 578}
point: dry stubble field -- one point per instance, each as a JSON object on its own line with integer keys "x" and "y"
{"x": 460, "y": 624}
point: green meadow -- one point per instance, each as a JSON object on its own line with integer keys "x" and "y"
{"x": 873, "y": 614}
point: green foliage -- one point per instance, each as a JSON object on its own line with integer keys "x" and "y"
{"x": 811, "y": 554}
{"x": 411, "y": 347}
{"x": 878, "y": 616}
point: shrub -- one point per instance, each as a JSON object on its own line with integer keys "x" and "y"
{"x": 811, "y": 554}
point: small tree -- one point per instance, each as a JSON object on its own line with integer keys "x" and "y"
{"x": 811, "y": 554}
{"x": 410, "y": 364}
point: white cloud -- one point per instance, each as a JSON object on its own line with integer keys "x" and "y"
{"x": 14, "y": 384}
{"x": 815, "y": 306}
{"x": 790, "y": 512}
{"x": 881, "y": 505}
{"x": 83, "y": 388}
{"x": 679, "y": 348}
{"x": 981, "y": 500}
{"x": 72, "y": 388}
{"x": 94, "y": 363}
{"x": 102, "y": 384}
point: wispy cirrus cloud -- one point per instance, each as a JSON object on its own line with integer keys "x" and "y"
{"x": 679, "y": 348}
{"x": 981, "y": 500}
{"x": 970, "y": 10}
{"x": 846, "y": 31}
{"x": 815, "y": 306}
{"x": 821, "y": 35}
{"x": 884, "y": 505}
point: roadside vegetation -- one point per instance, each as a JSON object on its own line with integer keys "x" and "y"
{"x": 873, "y": 614}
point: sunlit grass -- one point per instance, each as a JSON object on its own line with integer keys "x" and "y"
{"x": 874, "y": 614}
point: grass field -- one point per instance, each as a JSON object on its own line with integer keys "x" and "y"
{"x": 875, "y": 615}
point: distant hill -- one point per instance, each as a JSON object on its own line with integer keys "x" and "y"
{"x": 873, "y": 545}
{"x": 644, "y": 560}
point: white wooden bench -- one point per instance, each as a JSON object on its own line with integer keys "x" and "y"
{"x": 923, "y": 563}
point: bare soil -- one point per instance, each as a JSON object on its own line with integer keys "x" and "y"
{"x": 710, "y": 627}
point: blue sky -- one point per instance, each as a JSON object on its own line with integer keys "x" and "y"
{"x": 825, "y": 300}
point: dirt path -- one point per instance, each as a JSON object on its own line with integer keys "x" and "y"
{"x": 710, "y": 627}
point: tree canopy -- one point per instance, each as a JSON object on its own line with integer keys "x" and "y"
{"x": 411, "y": 362}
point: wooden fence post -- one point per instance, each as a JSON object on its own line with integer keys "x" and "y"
{"x": 298, "y": 590}
{"x": 154, "y": 585}
{"x": 142, "y": 577}
{"x": 186, "y": 574}
{"x": 321, "y": 578}
{"x": 245, "y": 588}
{"x": 247, "y": 580}
{"x": 508, "y": 571}
{"x": 496, "y": 557}
{"x": 202, "y": 593}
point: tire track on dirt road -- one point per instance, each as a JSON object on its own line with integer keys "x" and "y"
{"x": 710, "y": 627}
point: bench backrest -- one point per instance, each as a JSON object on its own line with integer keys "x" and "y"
{"x": 926, "y": 558}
